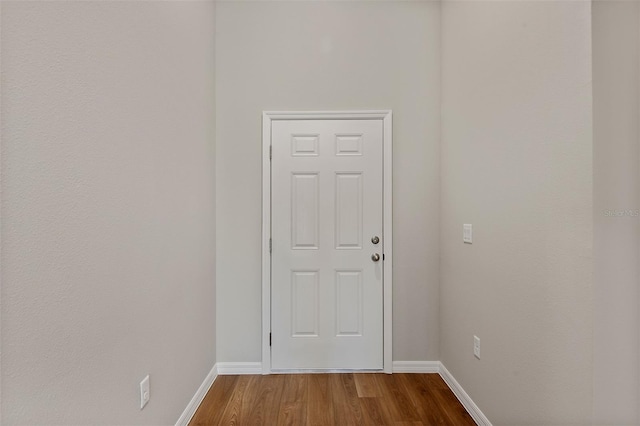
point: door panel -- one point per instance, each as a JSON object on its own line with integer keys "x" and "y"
{"x": 304, "y": 303}
{"x": 305, "y": 214}
{"x": 348, "y": 303}
{"x": 348, "y": 224}
{"x": 326, "y": 291}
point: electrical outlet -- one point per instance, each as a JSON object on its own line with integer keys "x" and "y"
{"x": 144, "y": 392}
{"x": 467, "y": 233}
{"x": 476, "y": 346}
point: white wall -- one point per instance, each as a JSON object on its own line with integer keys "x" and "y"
{"x": 616, "y": 181}
{"x": 517, "y": 164}
{"x": 107, "y": 209}
{"x": 327, "y": 56}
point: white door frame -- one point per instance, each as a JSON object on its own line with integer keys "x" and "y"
{"x": 267, "y": 119}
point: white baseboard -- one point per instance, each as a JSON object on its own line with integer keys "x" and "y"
{"x": 416, "y": 366}
{"x": 464, "y": 398}
{"x": 225, "y": 368}
{"x": 188, "y": 412}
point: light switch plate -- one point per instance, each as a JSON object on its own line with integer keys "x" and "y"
{"x": 467, "y": 233}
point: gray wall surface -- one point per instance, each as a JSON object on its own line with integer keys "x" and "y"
{"x": 517, "y": 164}
{"x": 616, "y": 198}
{"x": 328, "y": 56}
{"x": 108, "y": 198}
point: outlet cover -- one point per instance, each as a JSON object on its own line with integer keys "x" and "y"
{"x": 144, "y": 392}
{"x": 476, "y": 346}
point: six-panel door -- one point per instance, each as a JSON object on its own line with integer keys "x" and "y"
{"x": 326, "y": 287}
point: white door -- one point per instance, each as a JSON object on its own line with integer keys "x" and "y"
{"x": 326, "y": 227}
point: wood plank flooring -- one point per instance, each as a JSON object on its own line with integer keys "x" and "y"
{"x": 331, "y": 399}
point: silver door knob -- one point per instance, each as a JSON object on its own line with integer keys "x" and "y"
{"x": 375, "y": 257}
{"x": 375, "y": 240}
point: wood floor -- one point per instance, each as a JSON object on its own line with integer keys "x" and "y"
{"x": 331, "y": 399}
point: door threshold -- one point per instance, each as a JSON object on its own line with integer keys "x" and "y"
{"x": 325, "y": 370}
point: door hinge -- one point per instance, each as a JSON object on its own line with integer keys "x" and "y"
{"x": 270, "y": 152}
{"x": 270, "y": 245}
{"x": 269, "y": 339}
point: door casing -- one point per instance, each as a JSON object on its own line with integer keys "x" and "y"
{"x": 267, "y": 119}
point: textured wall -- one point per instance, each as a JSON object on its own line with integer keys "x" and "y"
{"x": 107, "y": 209}
{"x": 616, "y": 180}
{"x": 517, "y": 164}
{"x": 328, "y": 56}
